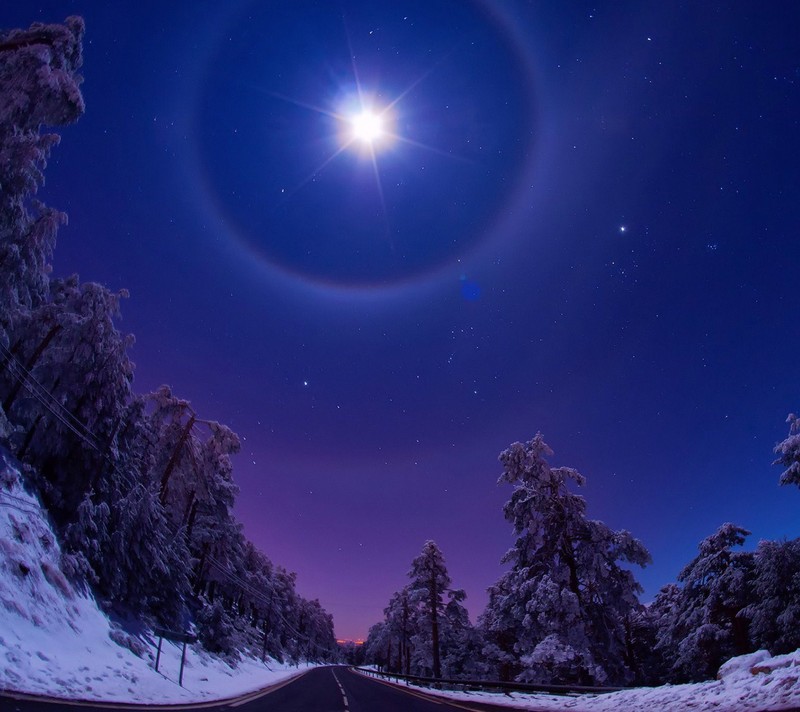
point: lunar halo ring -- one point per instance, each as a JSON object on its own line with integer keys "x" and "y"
{"x": 500, "y": 226}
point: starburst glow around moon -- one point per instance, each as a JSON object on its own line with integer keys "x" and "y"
{"x": 367, "y": 126}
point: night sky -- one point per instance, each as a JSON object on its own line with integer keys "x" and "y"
{"x": 581, "y": 219}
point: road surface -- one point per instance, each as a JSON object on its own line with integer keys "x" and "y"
{"x": 328, "y": 689}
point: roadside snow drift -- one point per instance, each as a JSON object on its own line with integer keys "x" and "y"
{"x": 745, "y": 684}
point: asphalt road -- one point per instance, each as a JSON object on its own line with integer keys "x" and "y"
{"x": 328, "y": 689}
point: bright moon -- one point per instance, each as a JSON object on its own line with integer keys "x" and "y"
{"x": 367, "y": 126}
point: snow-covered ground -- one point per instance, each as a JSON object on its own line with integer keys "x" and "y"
{"x": 747, "y": 683}
{"x": 55, "y": 641}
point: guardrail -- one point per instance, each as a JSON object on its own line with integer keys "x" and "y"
{"x": 490, "y": 685}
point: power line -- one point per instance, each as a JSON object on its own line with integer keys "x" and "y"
{"x": 42, "y": 394}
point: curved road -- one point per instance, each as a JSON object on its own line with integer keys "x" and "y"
{"x": 327, "y": 689}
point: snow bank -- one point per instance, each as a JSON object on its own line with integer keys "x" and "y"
{"x": 748, "y": 683}
{"x": 55, "y": 641}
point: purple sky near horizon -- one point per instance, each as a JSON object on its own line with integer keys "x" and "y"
{"x": 587, "y": 226}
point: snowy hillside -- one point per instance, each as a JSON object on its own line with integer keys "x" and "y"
{"x": 55, "y": 641}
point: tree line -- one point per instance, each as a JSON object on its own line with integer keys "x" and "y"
{"x": 139, "y": 487}
{"x": 567, "y": 610}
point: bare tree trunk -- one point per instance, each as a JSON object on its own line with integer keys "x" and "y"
{"x": 199, "y": 572}
{"x": 190, "y": 523}
{"x": 23, "y": 450}
{"x": 174, "y": 459}
{"x": 264, "y": 644}
{"x": 437, "y": 666}
{"x": 406, "y": 637}
{"x": 188, "y": 509}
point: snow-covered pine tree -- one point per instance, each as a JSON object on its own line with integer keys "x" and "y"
{"x": 499, "y": 625}
{"x": 702, "y": 623}
{"x": 401, "y": 616}
{"x": 461, "y": 642}
{"x": 135, "y": 561}
{"x": 316, "y": 629}
{"x": 148, "y": 564}
{"x": 645, "y": 658}
{"x": 39, "y": 86}
{"x": 774, "y": 610}
{"x": 426, "y": 629}
{"x": 173, "y": 419}
{"x": 788, "y": 452}
{"x": 87, "y": 370}
{"x": 211, "y": 487}
{"x": 217, "y": 632}
{"x": 377, "y": 646}
{"x": 566, "y": 598}
{"x": 192, "y": 471}
{"x": 286, "y": 617}
{"x": 259, "y": 603}
{"x": 429, "y": 582}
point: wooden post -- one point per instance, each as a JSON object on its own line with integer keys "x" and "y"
{"x": 158, "y": 652}
{"x": 175, "y": 637}
{"x": 183, "y": 660}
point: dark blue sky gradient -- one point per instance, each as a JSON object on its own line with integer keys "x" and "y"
{"x": 376, "y": 356}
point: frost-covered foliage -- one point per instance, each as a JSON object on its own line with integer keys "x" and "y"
{"x": 217, "y": 632}
{"x": 701, "y": 623}
{"x": 39, "y": 85}
{"x": 788, "y": 452}
{"x": 426, "y": 630}
{"x": 774, "y": 611}
{"x": 567, "y": 610}
{"x": 729, "y": 602}
{"x": 72, "y": 349}
{"x": 726, "y": 602}
{"x": 140, "y": 488}
{"x": 399, "y": 630}
{"x": 560, "y": 613}
{"x": 462, "y": 643}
